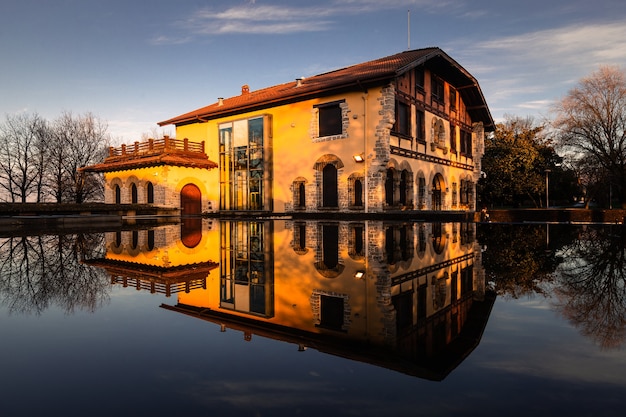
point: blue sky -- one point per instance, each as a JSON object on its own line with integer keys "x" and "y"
{"x": 135, "y": 63}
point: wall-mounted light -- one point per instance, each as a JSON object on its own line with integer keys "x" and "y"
{"x": 359, "y": 274}
{"x": 359, "y": 157}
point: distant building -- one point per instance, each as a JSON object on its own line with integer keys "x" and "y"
{"x": 404, "y": 132}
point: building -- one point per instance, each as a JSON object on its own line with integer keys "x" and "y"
{"x": 404, "y": 132}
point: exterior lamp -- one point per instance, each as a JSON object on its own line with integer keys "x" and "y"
{"x": 359, "y": 158}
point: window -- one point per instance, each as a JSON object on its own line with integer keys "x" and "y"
{"x": 419, "y": 78}
{"x": 244, "y": 171}
{"x": 356, "y": 244}
{"x": 330, "y": 246}
{"x": 438, "y": 238}
{"x": 452, "y": 99}
{"x": 463, "y": 194}
{"x": 118, "y": 194}
{"x": 421, "y": 238}
{"x": 420, "y": 124}
{"x": 467, "y": 191}
{"x": 150, "y": 193}
{"x": 454, "y": 194}
{"x": 436, "y": 91}
{"x": 398, "y": 245}
{"x": 452, "y": 138}
{"x": 403, "y": 119}
{"x": 421, "y": 193}
{"x": 330, "y": 196}
{"x": 133, "y": 194}
{"x": 150, "y": 244}
{"x": 299, "y": 194}
{"x": 405, "y": 187}
{"x": 390, "y": 187}
{"x": 331, "y": 312}
{"x": 355, "y": 191}
{"x": 466, "y": 142}
{"x": 330, "y": 119}
{"x": 299, "y": 238}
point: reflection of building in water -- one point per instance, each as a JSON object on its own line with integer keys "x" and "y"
{"x": 246, "y": 279}
{"x": 406, "y": 296}
{"x": 168, "y": 259}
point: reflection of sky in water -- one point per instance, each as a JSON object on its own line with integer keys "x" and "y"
{"x": 131, "y": 357}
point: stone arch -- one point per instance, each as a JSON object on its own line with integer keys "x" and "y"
{"x": 356, "y": 188}
{"x": 328, "y": 167}
{"x": 298, "y": 189}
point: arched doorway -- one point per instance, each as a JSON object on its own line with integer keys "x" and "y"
{"x": 190, "y": 200}
{"x": 191, "y": 205}
{"x": 438, "y": 186}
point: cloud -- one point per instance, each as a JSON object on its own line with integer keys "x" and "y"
{"x": 253, "y": 19}
{"x": 527, "y": 72}
{"x": 169, "y": 40}
{"x": 579, "y": 46}
{"x": 282, "y": 19}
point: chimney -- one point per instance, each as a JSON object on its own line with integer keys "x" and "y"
{"x": 245, "y": 89}
{"x": 220, "y": 101}
{"x": 299, "y": 81}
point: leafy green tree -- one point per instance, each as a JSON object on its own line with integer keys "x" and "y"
{"x": 515, "y": 160}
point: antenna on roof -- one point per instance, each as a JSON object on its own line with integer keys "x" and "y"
{"x": 408, "y": 31}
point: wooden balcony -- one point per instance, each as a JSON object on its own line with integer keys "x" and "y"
{"x": 166, "y": 145}
{"x": 155, "y": 152}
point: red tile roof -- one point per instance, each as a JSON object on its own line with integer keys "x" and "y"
{"x": 355, "y": 77}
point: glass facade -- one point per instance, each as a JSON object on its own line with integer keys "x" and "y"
{"x": 245, "y": 172}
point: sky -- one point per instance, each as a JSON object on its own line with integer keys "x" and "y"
{"x": 135, "y": 63}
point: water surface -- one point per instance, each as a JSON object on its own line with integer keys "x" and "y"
{"x": 274, "y": 318}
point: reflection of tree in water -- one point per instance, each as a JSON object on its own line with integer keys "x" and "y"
{"x": 519, "y": 259}
{"x": 39, "y": 271}
{"x": 592, "y": 286}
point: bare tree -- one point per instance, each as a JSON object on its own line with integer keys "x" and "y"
{"x": 79, "y": 141}
{"x": 591, "y": 121}
{"x": 21, "y": 156}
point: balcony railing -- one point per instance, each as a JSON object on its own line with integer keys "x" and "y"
{"x": 166, "y": 145}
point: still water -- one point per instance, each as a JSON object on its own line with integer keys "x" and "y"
{"x": 289, "y": 318}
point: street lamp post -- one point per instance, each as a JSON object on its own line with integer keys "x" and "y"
{"x": 547, "y": 189}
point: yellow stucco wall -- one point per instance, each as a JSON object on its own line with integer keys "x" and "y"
{"x": 168, "y": 182}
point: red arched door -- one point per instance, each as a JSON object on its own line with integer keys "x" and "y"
{"x": 190, "y": 200}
